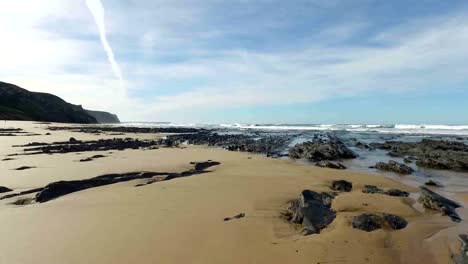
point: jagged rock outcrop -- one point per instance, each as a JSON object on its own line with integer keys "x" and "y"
{"x": 432, "y": 200}
{"x": 312, "y": 211}
{"x": 370, "y": 222}
{"x": 431, "y": 153}
{"x": 394, "y": 166}
{"x": 319, "y": 149}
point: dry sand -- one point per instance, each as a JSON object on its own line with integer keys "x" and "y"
{"x": 181, "y": 221}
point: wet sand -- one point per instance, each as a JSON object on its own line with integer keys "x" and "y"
{"x": 181, "y": 221}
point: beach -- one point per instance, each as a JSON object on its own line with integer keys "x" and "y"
{"x": 182, "y": 220}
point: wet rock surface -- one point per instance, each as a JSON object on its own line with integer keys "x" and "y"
{"x": 431, "y": 153}
{"x": 392, "y": 192}
{"x": 331, "y": 148}
{"x": 341, "y": 186}
{"x": 264, "y": 143}
{"x": 74, "y": 145}
{"x": 394, "y": 166}
{"x": 330, "y": 164}
{"x": 432, "y": 200}
{"x": 370, "y": 222}
{"x": 61, "y": 188}
{"x": 312, "y": 211}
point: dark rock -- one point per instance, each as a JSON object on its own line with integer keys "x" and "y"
{"x": 372, "y": 189}
{"x": 392, "y": 192}
{"x": 4, "y": 189}
{"x": 7, "y": 159}
{"x": 431, "y": 153}
{"x": 432, "y": 200}
{"x": 319, "y": 149}
{"x": 98, "y": 156}
{"x": 407, "y": 161}
{"x": 60, "y": 188}
{"x": 462, "y": 257}
{"x": 394, "y": 166}
{"x": 433, "y": 183}
{"x": 312, "y": 211}
{"x": 331, "y": 165}
{"x": 74, "y": 145}
{"x": 241, "y": 215}
{"x": 370, "y": 222}
{"x": 86, "y": 159}
{"x": 394, "y": 221}
{"x": 396, "y": 192}
{"x": 342, "y": 186}
{"x": 25, "y": 168}
{"x": 199, "y": 166}
{"x": 362, "y": 145}
{"x": 367, "y": 222}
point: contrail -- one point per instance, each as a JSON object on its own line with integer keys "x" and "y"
{"x": 97, "y": 10}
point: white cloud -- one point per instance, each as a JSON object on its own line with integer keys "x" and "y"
{"x": 176, "y": 57}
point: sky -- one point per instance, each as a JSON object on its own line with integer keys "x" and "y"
{"x": 264, "y": 61}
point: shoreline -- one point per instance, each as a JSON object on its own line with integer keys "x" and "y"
{"x": 182, "y": 220}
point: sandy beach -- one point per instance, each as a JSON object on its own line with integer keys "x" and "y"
{"x": 181, "y": 220}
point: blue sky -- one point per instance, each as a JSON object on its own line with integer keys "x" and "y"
{"x": 213, "y": 61}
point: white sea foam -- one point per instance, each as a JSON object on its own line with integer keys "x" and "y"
{"x": 382, "y": 128}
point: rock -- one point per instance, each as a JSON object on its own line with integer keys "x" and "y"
{"x": 199, "y": 166}
{"x": 407, "y": 161}
{"x": 362, "y": 145}
{"x": 432, "y": 163}
{"x": 98, "y": 156}
{"x": 433, "y": 183}
{"x": 396, "y": 192}
{"x": 432, "y": 200}
{"x": 24, "y": 168}
{"x": 4, "y": 189}
{"x": 392, "y": 192}
{"x": 312, "y": 211}
{"x": 342, "y": 186}
{"x": 367, "y": 222}
{"x": 331, "y": 165}
{"x": 60, "y": 188}
{"x": 372, "y": 189}
{"x": 394, "y": 166}
{"x": 462, "y": 257}
{"x": 394, "y": 221}
{"x": 47, "y": 134}
{"x": 431, "y": 153}
{"x": 370, "y": 222}
{"x": 86, "y": 159}
{"x": 319, "y": 149}
{"x": 241, "y": 215}
{"x": 72, "y": 140}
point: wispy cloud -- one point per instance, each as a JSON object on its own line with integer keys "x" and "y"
{"x": 97, "y": 9}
